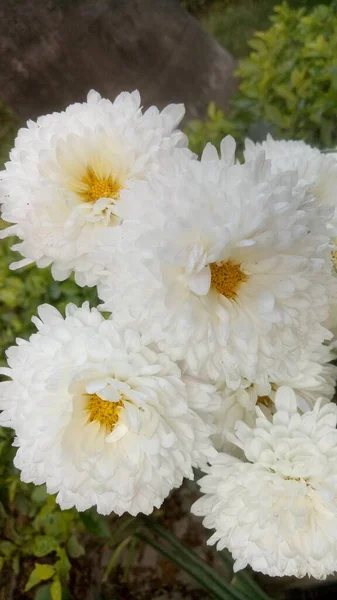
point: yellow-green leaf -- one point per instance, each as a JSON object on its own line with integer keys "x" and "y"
{"x": 39, "y": 573}
{"x": 56, "y": 590}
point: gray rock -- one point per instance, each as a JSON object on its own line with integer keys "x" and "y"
{"x": 53, "y": 51}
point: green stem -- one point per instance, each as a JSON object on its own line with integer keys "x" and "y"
{"x": 114, "y": 557}
{"x": 130, "y": 557}
{"x": 121, "y": 529}
{"x": 246, "y": 579}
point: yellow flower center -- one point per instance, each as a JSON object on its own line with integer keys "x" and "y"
{"x": 226, "y": 278}
{"x": 334, "y": 259}
{"x": 93, "y": 187}
{"x": 103, "y": 411}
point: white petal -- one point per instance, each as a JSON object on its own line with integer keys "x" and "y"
{"x": 200, "y": 282}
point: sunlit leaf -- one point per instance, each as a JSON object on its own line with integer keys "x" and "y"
{"x": 56, "y": 590}
{"x": 63, "y": 565}
{"x": 39, "y": 573}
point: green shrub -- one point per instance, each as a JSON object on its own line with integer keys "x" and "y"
{"x": 288, "y": 84}
{"x": 32, "y": 525}
{"x": 290, "y": 78}
{"x": 215, "y": 127}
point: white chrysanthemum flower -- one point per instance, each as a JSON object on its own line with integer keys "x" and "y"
{"x": 230, "y": 270}
{"x": 68, "y": 172}
{"x": 99, "y": 417}
{"x": 315, "y": 169}
{"x": 316, "y": 379}
{"x": 277, "y": 511}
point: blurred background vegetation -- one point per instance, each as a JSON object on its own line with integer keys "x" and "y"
{"x": 287, "y": 68}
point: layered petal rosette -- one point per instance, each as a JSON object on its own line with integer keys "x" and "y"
{"x": 100, "y": 417}
{"x": 276, "y": 509}
{"x": 68, "y": 172}
{"x": 226, "y": 266}
{"x": 316, "y": 380}
{"x": 316, "y": 170}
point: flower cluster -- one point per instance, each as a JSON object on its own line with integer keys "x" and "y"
{"x": 219, "y": 279}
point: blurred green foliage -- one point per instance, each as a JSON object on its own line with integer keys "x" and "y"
{"x": 233, "y": 22}
{"x": 290, "y": 78}
{"x": 32, "y": 525}
{"x": 288, "y": 83}
{"x": 214, "y": 128}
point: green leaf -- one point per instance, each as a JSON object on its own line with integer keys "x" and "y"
{"x": 66, "y": 595}
{"x": 95, "y": 523}
{"x": 12, "y": 490}
{"x": 39, "y": 494}
{"x": 243, "y": 579}
{"x": 39, "y": 573}
{"x": 75, "y": 549}
{"x": 7, "y": 548}
{"x": 3, "y": 514}
{"x": 22, "y": 504}
{"x": 56, "y": 590}
{"x": 211, "y": 110}
{"x": 16, "y": 564}
{"x": 43, "y": 593}
{"x": 63, "y": 565}
{"x": 44, "y": 544}
{"x": 114, "y": 558}
{"x": 129, "y": 559}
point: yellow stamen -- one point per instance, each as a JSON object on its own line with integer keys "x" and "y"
{"x": 103, "y": 411}
{"x": 226, "y": 278}
{"x": 334, "y": 259}
{"x": 93, "y": 187}
{"x": 265, "y": 400}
